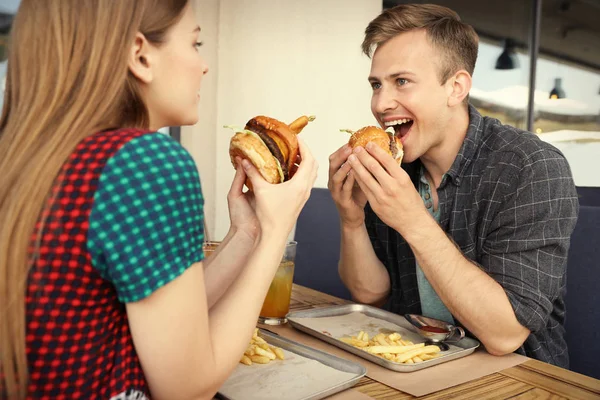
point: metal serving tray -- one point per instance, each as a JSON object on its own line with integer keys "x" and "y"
{"x": 459, "y": 349}
{"x": 324, "y": 358}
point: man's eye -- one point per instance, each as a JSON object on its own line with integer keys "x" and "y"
{"x": 375, "y": 85}
{"x": 401, "y": 81}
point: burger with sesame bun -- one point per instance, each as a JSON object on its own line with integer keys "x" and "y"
{"x": 270, "y": 145}
{"x": 387, "y": 141}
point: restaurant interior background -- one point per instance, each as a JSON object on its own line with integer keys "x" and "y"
{"x": 287, "y": 58}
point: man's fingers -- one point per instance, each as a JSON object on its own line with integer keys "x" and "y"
{"x": 384, "y": 159}
{"x": 340, "y": 176}
{"x": 373, "y": 166}
{"x": 363, "y": 175}
{"x": 338, "y": 158}
{"x": 348, "y": 185}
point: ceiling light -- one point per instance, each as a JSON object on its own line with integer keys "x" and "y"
{"x": 508, "y": 59}
{"x": 557, "y": 91}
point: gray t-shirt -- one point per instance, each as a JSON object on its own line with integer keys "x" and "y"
{"x": 431, "y": 304}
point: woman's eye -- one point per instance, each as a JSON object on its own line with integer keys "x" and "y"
{"x": 401, "y": 81}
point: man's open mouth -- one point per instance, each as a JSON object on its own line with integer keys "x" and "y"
{"x": 401, "y": 126}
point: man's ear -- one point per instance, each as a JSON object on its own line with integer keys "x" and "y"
{"x": 458, "y": 87}
{"x": 140, "y": 59}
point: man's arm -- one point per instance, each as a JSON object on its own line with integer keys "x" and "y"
{"x": 524, "y": 253}
{"x": 361, "y": 271}
{"x": 471, "y": 295}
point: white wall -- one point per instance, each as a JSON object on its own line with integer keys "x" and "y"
{"x": 201, "y": 139}
{"x": 282, "y": 59}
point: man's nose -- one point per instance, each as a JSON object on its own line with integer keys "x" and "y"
{"x": 385, "y": 101}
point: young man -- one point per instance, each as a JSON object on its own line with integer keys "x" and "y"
{"x": 474, "y": 228}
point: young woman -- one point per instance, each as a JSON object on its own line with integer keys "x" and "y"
{"x": 104, "y": 290}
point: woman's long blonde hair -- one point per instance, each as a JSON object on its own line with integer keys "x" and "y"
{"x": 67, "y": 78}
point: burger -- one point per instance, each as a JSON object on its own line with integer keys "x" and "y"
{"x": 387, "y": 141}
{"x": 270, "y": 145}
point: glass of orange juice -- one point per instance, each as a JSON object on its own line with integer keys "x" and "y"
{"x": 209, "y": 247}
{"x": 277, "y": 302}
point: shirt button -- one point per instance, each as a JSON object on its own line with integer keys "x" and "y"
{"x": 428, "y": 204}
{"x": 427, "y": 196}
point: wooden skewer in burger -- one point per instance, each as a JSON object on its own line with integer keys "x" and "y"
{"x": 387, "y": 141}
{"x": 270, "y": 145}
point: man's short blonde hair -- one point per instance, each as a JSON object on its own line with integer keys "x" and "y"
{"x": 457, "y": 41}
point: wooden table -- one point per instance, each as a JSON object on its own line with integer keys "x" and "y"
{"x": 530, "y": 380}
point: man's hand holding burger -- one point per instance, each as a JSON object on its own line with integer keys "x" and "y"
{"x": 360, "y": 269}
{"x": 388, "y": 189}
{"x": 349, "y": 197}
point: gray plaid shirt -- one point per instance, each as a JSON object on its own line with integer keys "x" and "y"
{"x": 510, "y": 204}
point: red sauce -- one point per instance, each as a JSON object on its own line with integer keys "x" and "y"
{"x": 433, "y": 329}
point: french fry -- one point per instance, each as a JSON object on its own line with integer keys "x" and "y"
{"x": 392, "y": 347}
{"x": 382, "y": 341}
{"x": 263, "y": 346}
{"x": 355, "y": 342}
{"x": 417, "y": 352}
{"x": 246, "y": 360}
{"x": 259, "y": 340}
{"x": 260, "y": 359}
{"x": 426, "y": 357}
{"x": 264, "y": 353}
{"x": 260, "y": 352}
{"x": 278, "y": 353}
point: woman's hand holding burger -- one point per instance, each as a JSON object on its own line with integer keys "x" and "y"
{"x": 278, "y": 169}
{"x": 277, "y": 206}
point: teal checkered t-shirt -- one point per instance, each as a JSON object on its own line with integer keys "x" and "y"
{"x": 146, "y": 224}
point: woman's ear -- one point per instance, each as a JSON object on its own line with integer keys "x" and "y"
{"x": 459, "y": 87}
{"x": 140, "y": 59}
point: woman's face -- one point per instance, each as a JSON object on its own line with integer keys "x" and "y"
{"x": 171, "y": 89}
